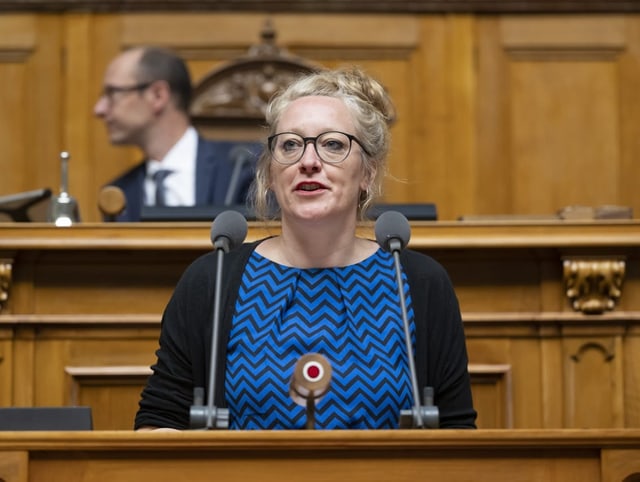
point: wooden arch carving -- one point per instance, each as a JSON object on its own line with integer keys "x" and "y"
{"x": 230, "y": 101}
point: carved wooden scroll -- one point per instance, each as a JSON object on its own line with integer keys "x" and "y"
{"x": 593, "y": 285}
{"x": 6, "y": 267}
{"x": 241, "y": 89}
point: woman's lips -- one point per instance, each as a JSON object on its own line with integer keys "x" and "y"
{"x": 309, "y": 186}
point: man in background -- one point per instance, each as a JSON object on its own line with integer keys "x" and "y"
{"x": 145, "y": 102}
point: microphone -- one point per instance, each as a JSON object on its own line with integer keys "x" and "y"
{"x": 310, "y": 382}
{"x": 16, "y": 206}
{"x": 111, "y": 202}
{"x": 392, "y": 231}
{"x": 228, "y": 231}
{"x": 392, "y": 234}
{"x": 239, "y": 155}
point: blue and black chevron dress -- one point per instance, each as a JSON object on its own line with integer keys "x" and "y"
{"x": 351, "y": 315}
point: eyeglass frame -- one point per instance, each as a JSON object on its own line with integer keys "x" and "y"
{"x": 108, "y": 91}
{"x": 314, "y": 140}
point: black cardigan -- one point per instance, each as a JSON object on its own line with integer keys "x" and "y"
{"x": 185, "y": 340}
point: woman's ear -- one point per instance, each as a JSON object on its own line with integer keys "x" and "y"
{"x": 367, "y": 179}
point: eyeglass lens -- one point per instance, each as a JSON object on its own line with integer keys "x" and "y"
{"x": 109, "y": 91}
{"x": 331, "y": 147}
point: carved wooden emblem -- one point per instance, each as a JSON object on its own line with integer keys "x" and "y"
{"x": 593, "y": 284}
{"x": 5, "y": 281}
{"x": 242, "y": 88}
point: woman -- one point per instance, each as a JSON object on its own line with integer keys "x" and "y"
{"x": 317, "y": 287}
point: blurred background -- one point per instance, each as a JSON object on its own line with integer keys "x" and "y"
{"x": 504, "y": 108}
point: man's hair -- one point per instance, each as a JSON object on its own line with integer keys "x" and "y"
{"x": 161, "y": 64}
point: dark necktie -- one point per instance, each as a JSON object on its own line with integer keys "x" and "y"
{"x": 159, "y": 178}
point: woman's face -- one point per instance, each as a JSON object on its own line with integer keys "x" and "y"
{"x": 311, "y": 189}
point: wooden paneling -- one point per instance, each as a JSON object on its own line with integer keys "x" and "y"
{"x": 497, "y": 114}
{"x": 348, "y": 6}
{"x": 492, "y": 395}
{"x": 550, "y": 112}
{"x": 6, "y": 366}
{"x": 30, "y": 108}
{"x": 113, "y": 393}
{"x": 14, "y": 466}
{"x": 55, "y": 348}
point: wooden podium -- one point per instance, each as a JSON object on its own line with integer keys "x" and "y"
{"x": 402, "y": 455}
{"x": 80, "y": 312}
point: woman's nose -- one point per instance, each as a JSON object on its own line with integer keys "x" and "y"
{"x": 310, "y": 159}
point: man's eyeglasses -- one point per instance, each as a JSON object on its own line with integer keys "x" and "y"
{"x": 331, "y": 147}
{"x": 109, "y": 91}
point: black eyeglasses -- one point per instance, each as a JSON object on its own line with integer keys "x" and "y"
{"x": 331, "y": 147}
{"x": 108, "y": 91}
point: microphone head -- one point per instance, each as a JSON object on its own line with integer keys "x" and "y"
{"x": 392, "y": 225}
{"x": 241, "y": 154}
{"x": 310, "y": 379}
{"x": 111, "y": 201}
{"x": 230, "y": 225}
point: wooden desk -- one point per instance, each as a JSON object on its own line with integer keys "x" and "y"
{"x": 80, "y": 310}
{"x": 452, "y": 456}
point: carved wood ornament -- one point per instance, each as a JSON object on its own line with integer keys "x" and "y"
{"x": 5, "y": 281}
{"x": 593, "y": 285}
{"x": 241, "y": 89}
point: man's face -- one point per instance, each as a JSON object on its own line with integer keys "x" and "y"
{"x": 124, "y": 105}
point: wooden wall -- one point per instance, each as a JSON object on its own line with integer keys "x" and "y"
{"x": 498, "y": 113}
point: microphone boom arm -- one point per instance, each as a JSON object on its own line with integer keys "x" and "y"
{"x": 419, "y": 416}
{"x": 395, "y": 245}
{"x": 214, "y": 414}
{"x": 228, "y": 231}
{"x": 211, "y": 417}
{"x": 393, "y": 233}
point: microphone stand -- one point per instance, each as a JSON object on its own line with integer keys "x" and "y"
{"x": 419, "y": 416}
{"x": 310, "y": 410}
{"x": 209, "y": 416}
{"x": 240, "y": 158}
{"x": 16, "y": 206}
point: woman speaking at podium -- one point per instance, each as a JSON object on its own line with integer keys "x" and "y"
{"x": 315, "y": 288}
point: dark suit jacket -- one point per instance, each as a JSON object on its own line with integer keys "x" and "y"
{"x": 215, "y": 162}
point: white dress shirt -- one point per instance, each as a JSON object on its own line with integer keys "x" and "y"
{"x": 180, "y": 185}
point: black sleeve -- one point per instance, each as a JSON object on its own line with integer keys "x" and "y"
{"x": 180, "y": 364}
{"x": 441, "y": 353}
{"x": 183, "y": 356}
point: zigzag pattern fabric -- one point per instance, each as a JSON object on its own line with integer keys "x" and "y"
{"x": 351, "y": 315}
